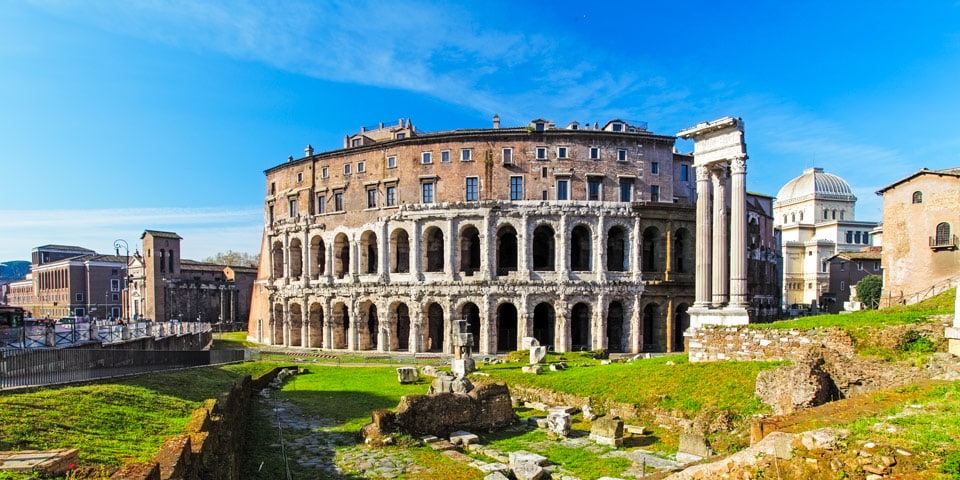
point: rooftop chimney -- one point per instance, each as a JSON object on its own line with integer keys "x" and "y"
{"x": 290, "y": 158}
{"x": 496, "y": 121}
{"x": 309, "y": 150}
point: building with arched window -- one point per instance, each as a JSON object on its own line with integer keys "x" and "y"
{"x": 579, "y": 236}
{"x": 921, "y": 222}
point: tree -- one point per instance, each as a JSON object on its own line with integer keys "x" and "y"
{"x": 232, "y": 258}
{"x": 869, "y": 289}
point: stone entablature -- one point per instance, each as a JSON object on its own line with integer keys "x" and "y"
{"x": 713, "y": 344}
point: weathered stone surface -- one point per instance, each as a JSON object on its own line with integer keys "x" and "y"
{"x": 563, "y": 409}
{"x": 462, "y": 367}
{"x": 558, "y": 367}
{"x": 607, "y": 430}
{"x": 538, "y": 354}
{"x": 529, "y": 342}
{"x": 822, "y": 439}
{"x": 534, "y": 369}
{"x": 484, "y": 408}
{"x": 802, "y": 385}
{"x": 428, "y": 371}
{"x": 528, "y": 471}
{"x": 463, "y": 438}
{"x": 522, "y": 456}
{"x": 588, "y": 413}
{"x": 407, "y": 375}
{"x": 559, "y": 423}
{"x": 635, "y": 429}
{"x": 496, "y": 476}
{"x": 693, "y": 446}
{"x": 494, "y": 467}
{"x": 446, "y": 382}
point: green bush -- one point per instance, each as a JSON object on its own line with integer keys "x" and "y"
{"x": 869, "y": 289}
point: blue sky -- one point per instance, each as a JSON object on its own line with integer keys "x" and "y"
{"x": 121, "y": 116}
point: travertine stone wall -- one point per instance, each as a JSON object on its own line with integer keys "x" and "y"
{"x": 712, "y": 344}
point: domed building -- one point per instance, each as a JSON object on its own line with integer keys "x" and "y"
{"x": 815, "y": 214}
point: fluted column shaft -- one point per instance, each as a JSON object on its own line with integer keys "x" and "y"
{"x": 703, "y": 292}
{"x": 738, "y": 233}
{"x": 721, "y": 242}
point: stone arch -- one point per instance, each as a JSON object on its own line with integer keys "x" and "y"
{"x": 581, "y": 248}
{"x": 369, "y": 324}
{"x": 681, "y": 322}
{"x": 649, "y": 252}
{"x": 276, "y": 254}
{"x": 580, "y": 323}
{"x": 471, "y": 313}
{"x": 341, "y": 255}
{"x": 401, "y": 314}
{"x": 545, "y": 324}
{"x": 469, "y": 250}
{"x": 296, "y": 325}
{"x": 507, "y": 327}
{"x": 318, "y": 251}
{"x": 618, "y": 249}
{"x": 682, "y": 249}
{"x": 276, "y": 334}
{"x": 399, "y": 251}
{"x": 296, "y": 259}
{"x": 436, "y": 331}
{"x": 341, "y": 325}
{"x": 651, "y": 316}
{"x": 617, "y": 329}
{"x": 369, "y": 249}
{"x": 315, "y": 326}
{"x": 506, "y": 249}
{"x": 433, "y": 253}
{"x": 544, "y": 248}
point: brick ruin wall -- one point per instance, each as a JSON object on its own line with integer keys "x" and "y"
{"x": 713, "y": 344}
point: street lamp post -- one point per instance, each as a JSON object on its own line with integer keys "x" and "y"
{"x": 126, "y": 269}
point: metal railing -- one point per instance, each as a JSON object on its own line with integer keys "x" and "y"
{"x": 26, "y": 368}
{"x": 69, "y": 334}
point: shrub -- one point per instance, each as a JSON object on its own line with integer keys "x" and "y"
{"x": 869, "y": 289}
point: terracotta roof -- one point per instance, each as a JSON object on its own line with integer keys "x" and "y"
{"x": 162, "y": 234}
{"x": 869, "y": 255}
{"x": 949, "y": 172}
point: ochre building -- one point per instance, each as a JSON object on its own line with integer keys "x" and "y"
{"x": 579, "y": 236}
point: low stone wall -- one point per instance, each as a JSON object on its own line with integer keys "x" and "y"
{"x": 211, "y": 443}
{"x": 713, "y": 343}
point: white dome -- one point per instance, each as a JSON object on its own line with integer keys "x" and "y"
{"x": 814, "y": 183}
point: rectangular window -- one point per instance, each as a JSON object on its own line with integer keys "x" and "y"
{"x": 445, "y": 156}
{"x": 361, "y": 167}
{"x": 684, "y": 173}
{"x": 622, "y": 155}
{"x": 270, "y": 213}
{"x": 391, "y": 195}
{"x": 338, "y": 202}
{"x": 843, "y": 266}
{"x": 114, "y": 284}
{"x": 347, "y": 169}
{"x": 299, "y": 177}
{"x": 79, "y": 312}
{"x": 293, "y": 207}
{"x": 594, "y": 153}
{"x": 850, "y": 237}
{"x": 371, "y": 198}
{"x": 466, "y": 155}
{"x": 273, "y": 188}
{"x": 617, "y": 127}
{"x": 356, "y": 142}
{"x": 654, "y": 193}
{"x": 321, "y": 204}
{"x": 593, "y": 188}
{"x": 842, "y": 285}
{"x": 392, "y": 161}
{"x": 859, "y": 266}
{"x": 507, "y": 156}
{"x": 562, "y": 187}
{"x": 324, "y": 172}
{"x": 473, "y": 189}
{"x": 516, "y": 188}
{"x": 541, "y": 153}
{"x": 401, "y": 136}
{"x": 876, "y": 266}
{"x": 561, "y": 152}
{"x": 626, "y": 189}
{"x": 655, "y": 168}
{"x": 79, "y": 297}
{"x": 426, "y": 192}
{"x": 426, "y": 157}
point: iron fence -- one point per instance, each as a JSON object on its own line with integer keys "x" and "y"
{"x": 25, "y": 368}
{"x": 74, "y": 333}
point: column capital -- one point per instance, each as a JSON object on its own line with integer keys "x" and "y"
{"x": 738, "y": 165}
{"x": 703, "y": 173}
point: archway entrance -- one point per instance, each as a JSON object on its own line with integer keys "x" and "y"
{"x": 506, "y": 328}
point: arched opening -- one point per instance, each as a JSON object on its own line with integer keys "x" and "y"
{"x": 680, "y": 251}
{"x": 400, "y": 249}
{"x": 580, "y": 249}
{"x": 403, "y": 327}
{"x": 506, "y": 328}
{"x": 618, "y": 254}
{"x": 315, "y": 326}
{"x": 296, "y": 259}
{"x": 318, "y": 251}
{"x": 276, "y": 254}
{"x": 681, "y": 322}
{"x": 544, "y": 324}
{"x": 371, "y": 327}
{"x": 341, "y": 325}
{"x": 471, "y": 313}
{"x": 368, "y": 252}
{"x": 615, "y": 328}
{"x": 341, "y": 256}
{"x": 918, "y": 197}
{"x": 943, "y": 234}
{"x": 650, "y": 251}
{"x": 296, "y": 325}
{"x": 580, "y": 327}
{"x": 278, "y": 324}
{"x": 433, "y": 254}
{"x": 506, "y": 250}
{"x": 469, "y": 250}
{"x": 651, "y": 314}
{"x": 435, "y": 330}
{"x": 544, "y": 248}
